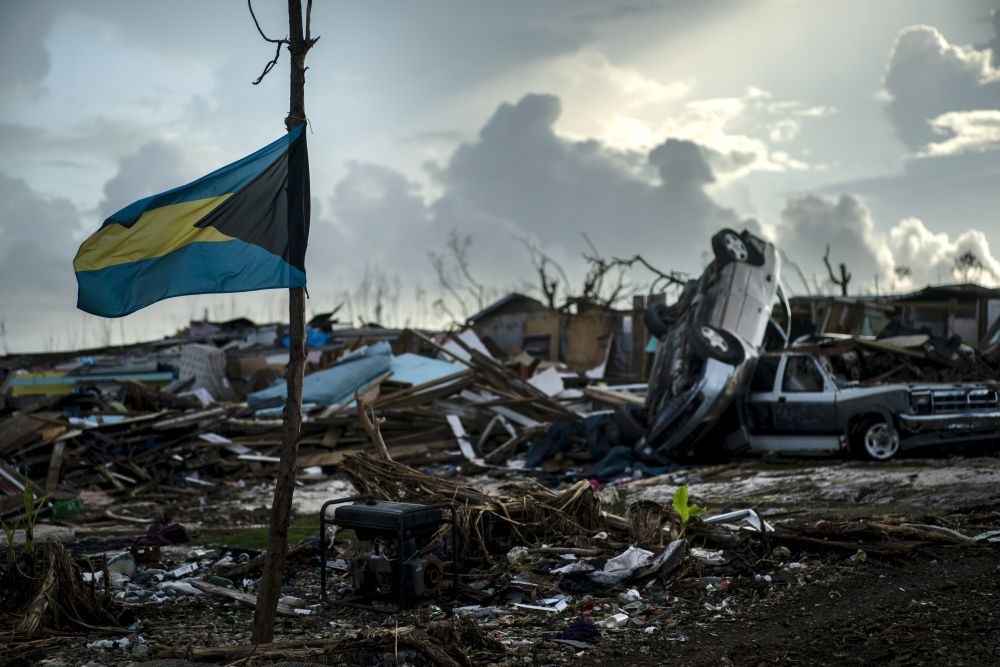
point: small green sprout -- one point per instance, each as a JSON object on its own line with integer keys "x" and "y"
{"x": 684, "y": 510}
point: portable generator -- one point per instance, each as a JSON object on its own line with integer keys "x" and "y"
{"x": 398, "y": 553}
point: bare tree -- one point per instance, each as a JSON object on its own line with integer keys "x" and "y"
{"x": 968, "y": 265}
{"x": 845, "y": 276}
{"x": 544, "y": 265}
{"x": 604, "y": 284}
{"x": 441, "y": 310}
{"x": 454, "y": 273}
{"x": 900, "y": 273}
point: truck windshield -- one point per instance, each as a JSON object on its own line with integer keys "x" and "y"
{"x": 802, "y": 375}
{"x": 765, "y": 374}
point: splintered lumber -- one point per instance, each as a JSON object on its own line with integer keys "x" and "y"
{"x": 878, "y": 345}
{"x": 19, "y": 430}
{"x": 189, "y": 419}
{"x": 613, "y": 397}
{"x": 248, "y": 598}
{"x": 55, "y": 464}
{"x": 499, "y": 379}
{"x": 420, "y": 394}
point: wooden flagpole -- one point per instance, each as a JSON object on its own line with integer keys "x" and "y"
{"x": 299, "y": 43}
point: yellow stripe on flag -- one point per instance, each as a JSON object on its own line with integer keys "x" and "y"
{"x": 156, "y": 233}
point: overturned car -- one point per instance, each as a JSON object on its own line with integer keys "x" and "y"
{"x": 708, "y": 341}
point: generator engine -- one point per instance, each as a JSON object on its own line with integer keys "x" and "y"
{"x": 399, "y": 553}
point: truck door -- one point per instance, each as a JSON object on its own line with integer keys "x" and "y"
{"x": 763, "y": 394}
{"x": 805, "y": 402}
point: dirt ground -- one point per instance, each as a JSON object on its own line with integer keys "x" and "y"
{"x": 936, "y": 605}
{"x": 939, "y": 607}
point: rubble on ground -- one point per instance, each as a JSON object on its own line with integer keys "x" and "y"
{"x": 146, "y": 464}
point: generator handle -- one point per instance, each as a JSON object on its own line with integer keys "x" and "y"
{"x": 322, "y": 537}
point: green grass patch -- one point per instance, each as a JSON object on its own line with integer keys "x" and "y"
{"x": 256, "y": 537}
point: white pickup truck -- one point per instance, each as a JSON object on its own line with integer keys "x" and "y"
{"x": 796, "y": 404}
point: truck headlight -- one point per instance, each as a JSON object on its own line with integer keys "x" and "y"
{"x": 920, "y": 402}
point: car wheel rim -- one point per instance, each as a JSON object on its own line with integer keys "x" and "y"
{"x": 880, "y": 442}
{"x": 713, "y": 338}
{"x": 736, "y": 247}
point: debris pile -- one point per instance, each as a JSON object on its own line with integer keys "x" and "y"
{"x": 200, "y": 415}
{"x": 527, "y": 544}
{"x": 900, "y": 354}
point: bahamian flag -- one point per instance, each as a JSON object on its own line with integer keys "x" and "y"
{"x": 243, "y": 227}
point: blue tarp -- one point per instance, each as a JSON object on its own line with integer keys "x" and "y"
{"x": 334, "y": 384}
{"x": 314, "y": 338}
{"x": 417, "y": 369}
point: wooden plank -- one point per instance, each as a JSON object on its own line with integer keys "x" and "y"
{"x": 55, "y": 465}
{"x": 246, "y": 598}
{"x": 612, "y": 396}
{"x": 876, "y": 345}
{"x": 330, "y": 437}
{"x": 19, "y": 430}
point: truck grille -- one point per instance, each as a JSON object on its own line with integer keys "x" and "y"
{"x": 952, "y": 401}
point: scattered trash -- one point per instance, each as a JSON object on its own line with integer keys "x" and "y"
{"x": 614, "y": 621}
{"x": 622, "y": 566}
{"x": 535, "y": 461}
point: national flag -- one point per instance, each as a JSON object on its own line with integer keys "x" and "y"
{"x": 243, "y": 227}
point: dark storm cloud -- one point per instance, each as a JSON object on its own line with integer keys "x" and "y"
{"x": 519, "y": 170}
{"x": 373, "y": 204}
{"x": 37, "y": 243}
{"x": 24, "y": 57}
{"x": 520, "y": 180}
{"x": 155, "y": 167}
{"x": 927, "y": 77}
{"x": 96, "y": 138}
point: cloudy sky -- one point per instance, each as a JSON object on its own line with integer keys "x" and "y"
{"x": 643, "y": 124}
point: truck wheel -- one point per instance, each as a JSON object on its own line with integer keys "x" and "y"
{"x": 709, "y": 342}
{"x": 630, "y": 420}
{"x": 875, "y": 440}
{"x": 729, "y": 246}
{"x": 613, "y": 433}
{"x": 657, "y": 320}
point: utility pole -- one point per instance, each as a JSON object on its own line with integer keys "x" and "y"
{"x": 299, "y": 42}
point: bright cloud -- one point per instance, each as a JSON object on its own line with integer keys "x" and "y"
{"x": 927, "y": 77}
{"x": 965, "y": 131}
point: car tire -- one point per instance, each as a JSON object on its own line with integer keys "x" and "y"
{"x": 712, "y": 343}
{"x": 630, "y": 421}
{"x": 613, "y": 433}
{"x": 730, "y": 246}
{"x": 657, "y": 320}
{"x": 875, "y": 440}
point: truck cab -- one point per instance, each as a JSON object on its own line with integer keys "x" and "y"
{"x": 796, "y": 403}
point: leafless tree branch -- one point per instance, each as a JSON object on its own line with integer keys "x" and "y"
{"x": 277, "y": 42}
{"x": 845, "y": 276}
{"x": 672, "y": 279}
